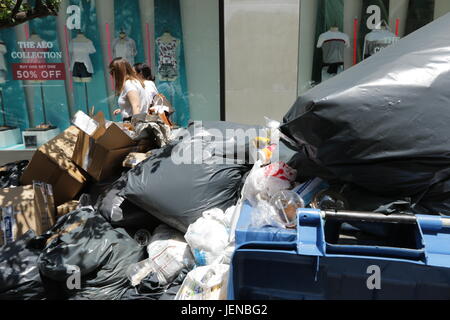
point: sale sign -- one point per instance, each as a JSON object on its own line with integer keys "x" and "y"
{"x": 40, "y": 71}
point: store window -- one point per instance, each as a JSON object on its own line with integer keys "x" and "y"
{"x": 54, "y": 66}
{"x": 348, "y": 32}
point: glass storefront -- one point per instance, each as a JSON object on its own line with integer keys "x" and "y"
{"x": 272, "y": 51}
{"x": 348, "y": 32}
{"x": 54, "y": 66}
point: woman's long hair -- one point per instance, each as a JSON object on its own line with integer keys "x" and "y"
{"x": 122, "y": 71}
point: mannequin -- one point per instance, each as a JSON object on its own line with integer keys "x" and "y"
{"x": 168, "y": 52}
{"x": 378, "y": 39}
{"x": 81, "y": 65}
{"x": 124, "y": 47}
{"x": 333, "y": 44}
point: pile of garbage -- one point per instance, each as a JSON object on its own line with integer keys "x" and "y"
{"x": 110, "y": 210}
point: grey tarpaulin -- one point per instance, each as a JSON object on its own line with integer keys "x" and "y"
{"x": 84, "y": 239}
{"x": 384, "y": 124}
{"x": 19, "y": 272}
{"x": 178, "y": 193}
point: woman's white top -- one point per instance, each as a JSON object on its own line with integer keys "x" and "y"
{"x": 124, "y": 103}
{"x": 151, "y": 89}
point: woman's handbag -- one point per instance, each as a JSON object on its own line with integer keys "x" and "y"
{"x": 161, "y": 106}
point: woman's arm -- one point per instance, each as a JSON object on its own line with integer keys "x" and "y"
{"x": 133, "y": 98}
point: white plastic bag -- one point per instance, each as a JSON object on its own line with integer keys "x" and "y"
{"x": 205, "y": 283}
{"x": 268, "y": 180}
{"x": 208, "y": 237}
{"x": 168, "y": 255}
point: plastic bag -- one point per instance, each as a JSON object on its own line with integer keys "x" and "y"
{"x": 84, "y": 246}
{"x": 19, "y": 272}
{"x": 208, "y": 237}
{"x": 268, "y": 180}
{"x": 168, "y": 255}
{"x": 286, "y": 203}
{"x": 153, "y": 184}
{"x": 265, "y": 214}
{"x": 11, "y": 173}
{"x": 205, "y": 283}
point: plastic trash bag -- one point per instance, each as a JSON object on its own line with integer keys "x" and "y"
{"x": 88, "y": 257}
{"x": 383, "y": 124}
{"x": 213, "y": 183}
{"x": 11, "y": 173}
{"x": 208, "y": 237}
{"x": 168, "y": 254}
{"x": 122, "y": 213}
{"x": 151, "y": 289}
{"x": 268, "y": 180}
{"x": 19, "y": 272}
{"x": 205, "y": 283}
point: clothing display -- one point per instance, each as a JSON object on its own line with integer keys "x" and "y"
{"x": 81, "y": 64}
{"x": 333, "y": 44}
{"x": 168, "y": 57}
{"x": 3, "y": 67}
{"x": 125, "y": 47}
{"x": 124, "y": 103}
{"x": 377, "y": 40}
{"x": 80, "y": 71}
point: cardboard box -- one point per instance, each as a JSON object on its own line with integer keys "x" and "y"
{"x": 25, "y": 208}
{"x": 134, "y": 158}
{"x": 101, "y": 152}
{"x": 66, "y": 208}
{"x": 52, "y": 163}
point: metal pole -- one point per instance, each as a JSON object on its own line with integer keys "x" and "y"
{"x": 43, "y": 104}
{"x": 3, "y": 107}
{"x": 87, "y": 99}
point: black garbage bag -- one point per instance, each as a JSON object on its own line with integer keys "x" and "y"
{"x": 83, "y": 243}
{"x": 120, "y": 212}
{"x": 19, "y": 272}
{"x": 151, "y": 289}
{"x": 11, "y": 173}
{"x": 177, "y": 189}
{"x": 383, "y": 124}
